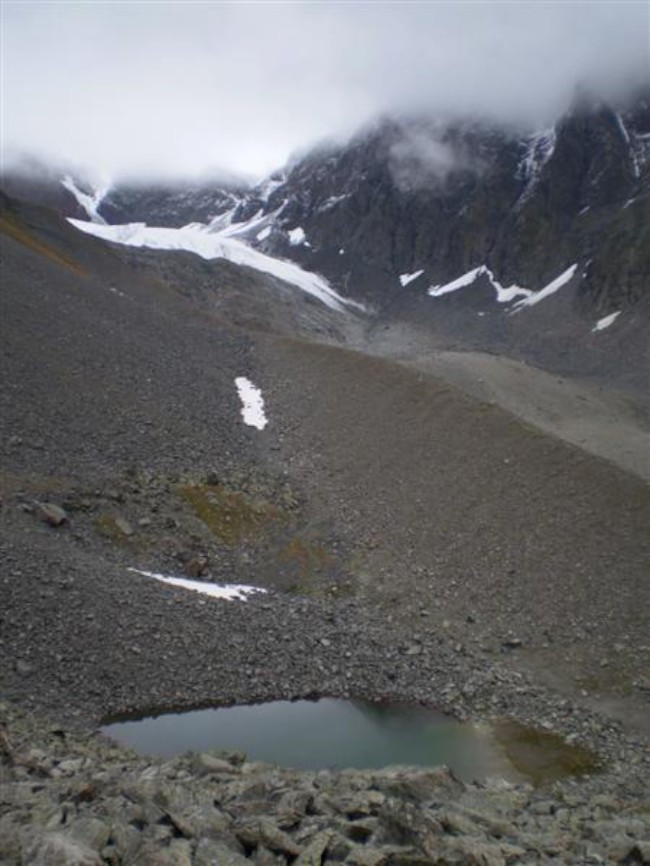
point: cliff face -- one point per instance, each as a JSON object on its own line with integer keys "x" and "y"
{"x": 417, "y": 195}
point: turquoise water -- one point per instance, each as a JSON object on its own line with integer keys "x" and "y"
{"x": 320, "y": 734}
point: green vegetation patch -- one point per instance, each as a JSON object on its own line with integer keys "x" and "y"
{"x": 231, "y": 516}
{"x": 543, "y": 756}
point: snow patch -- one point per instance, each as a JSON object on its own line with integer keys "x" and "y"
{"x": 199, "y": 239}
{"x": 550, "y": 289}
{"x": 263, "y": 235}
{"x": 89, "y": 203}
{"x": 405, "y": 279}
{"x": 504, "y": 294}
{"x": 605, "y": 322}
{"x": 228, "y": 591}
{"x": 297, "y": 236}
{"x": 252, "y": 403}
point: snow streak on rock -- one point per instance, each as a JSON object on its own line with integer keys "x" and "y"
{"x": 550, "y": 289}
{"x": 89, "y": 203}
{"x": 539, "y": 150}
{"x": 605, "y": 322}
{"x": 405, "y": 279}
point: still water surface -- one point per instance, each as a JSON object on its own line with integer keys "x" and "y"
{"x": 321, "y": 734}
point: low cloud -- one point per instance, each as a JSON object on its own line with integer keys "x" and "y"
{"x": 175, "y": 88}
{"x": 420, "y": 161}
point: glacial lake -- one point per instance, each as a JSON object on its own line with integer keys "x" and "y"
{"x": 322, "y": 734}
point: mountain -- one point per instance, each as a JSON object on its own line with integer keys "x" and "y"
{"x": 172, "y": 204}
{"x": 415, "y": 196}
{"x": 534, "y": 245}
{"x": 57, "y": 186}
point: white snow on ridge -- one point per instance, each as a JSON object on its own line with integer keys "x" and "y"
{"x": 263, "y": 235}
{"x": 605, "y": 322}
{"x": 210, "y": 245}
{"x": 405, "y": 279}
{"x": 89, "y": 203}
{"x": 550, "y": 289}
{"x": 504, "y": 294}
{"x": 252, "y": 403}
{"x": 228, "y": 591}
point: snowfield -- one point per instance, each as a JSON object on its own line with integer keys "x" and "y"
{"x": 199, "y": 239}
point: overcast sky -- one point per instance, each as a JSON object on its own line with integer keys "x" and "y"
{"x": 183, "y": 87}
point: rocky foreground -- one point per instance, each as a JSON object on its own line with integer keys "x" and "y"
{"x": 417, "y": 546}
{"x": 70, "y": 799}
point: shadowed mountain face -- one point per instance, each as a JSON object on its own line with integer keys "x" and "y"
{"x": 414, "y": 195}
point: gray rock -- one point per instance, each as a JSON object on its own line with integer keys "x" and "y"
{"x": 50, "y": 513}
{"x": 92, "y": 832}
{"x": 207, "y": 763}
{"x": 55, "y": 849}
{"x": 312, "y": 855}
{"x": 211, "y": 853}
{"x": 265, "y": 832}
{"x": 124, "y": 526}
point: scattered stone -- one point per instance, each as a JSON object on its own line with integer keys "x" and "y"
{"x": 123, "y": 525}
{"x": 50, "y": 513}
{"x": 511, "y": 643}
{"x": 196, "y": 566}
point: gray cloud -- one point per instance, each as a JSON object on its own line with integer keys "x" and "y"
{"x": 182, "y": 87}
{"x": 419, "y": 159}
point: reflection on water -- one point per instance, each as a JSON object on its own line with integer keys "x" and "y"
{"x": 320, "y": 734}
{"x": 332, "y": 733}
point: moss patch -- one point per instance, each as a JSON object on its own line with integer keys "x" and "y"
{"x": 108, "y": 526}
{"x": 231, "y": 516}
{"x": 542, "y": 756}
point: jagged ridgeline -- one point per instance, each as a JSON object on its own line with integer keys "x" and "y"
{"x": 427, "y": 201}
